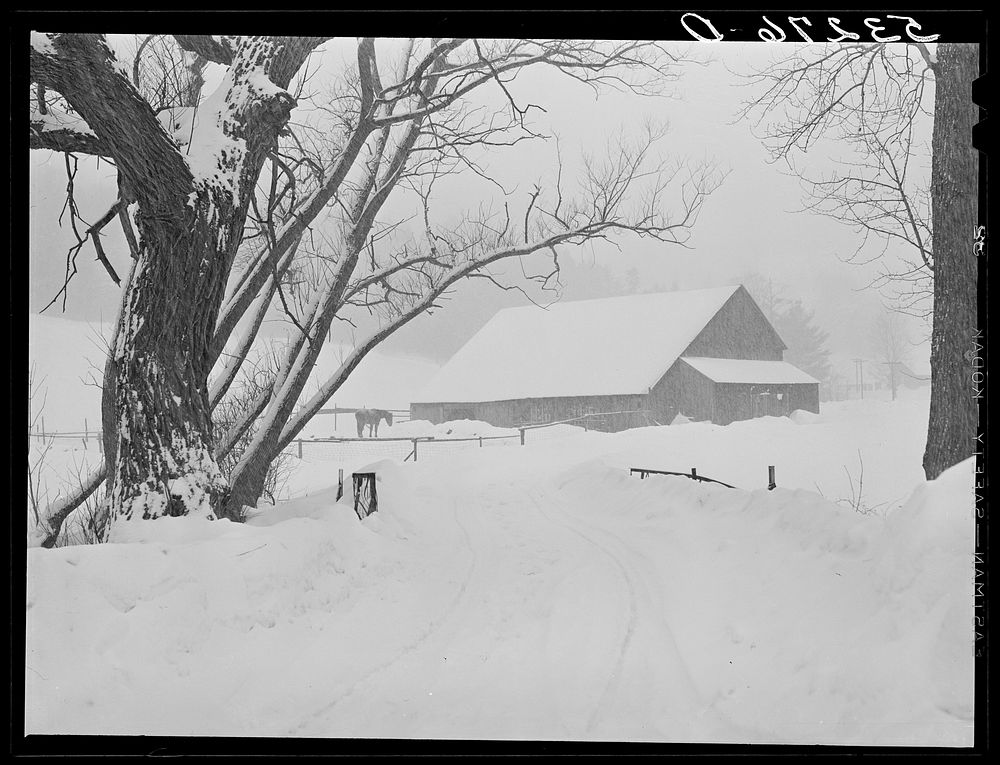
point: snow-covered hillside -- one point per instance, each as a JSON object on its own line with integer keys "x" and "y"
{"x": 540, "y": 592}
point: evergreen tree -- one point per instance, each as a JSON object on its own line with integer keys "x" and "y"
{"x": 794, "y": 323}
{"x": 805, "y": 340}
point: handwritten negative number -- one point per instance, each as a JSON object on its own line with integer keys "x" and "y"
{"x": 773, "y": 32}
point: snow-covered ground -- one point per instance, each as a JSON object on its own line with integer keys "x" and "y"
{"x": 541, "y": 592}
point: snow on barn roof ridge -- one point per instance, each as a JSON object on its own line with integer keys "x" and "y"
{"x": 595, "y": 347}
{"x": 748, "y": 371}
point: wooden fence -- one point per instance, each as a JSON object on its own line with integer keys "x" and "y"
{"x": 87, "y": 437}
{"x": 398, "y": 415}
{"x": 412, "y": 446}
{"x": 643, "y": 472}
{"x": 422, "y": 445}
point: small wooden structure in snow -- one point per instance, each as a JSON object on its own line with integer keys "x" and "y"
{"x": 710, "y": 354}
{"x": 365, "y": 494}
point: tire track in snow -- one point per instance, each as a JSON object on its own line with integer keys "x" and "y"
{"x": 490, "y": 543}
{"x": 644, "y": 571}
{"x": 414, "y": 645}
{"x": 616, "y": 673}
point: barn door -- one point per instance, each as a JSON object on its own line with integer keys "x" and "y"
{"x": 770, "y": 402}
{"x": 764, "y": 402}
{"x": 781, "y": 403}
{"x": 758, "y": 402}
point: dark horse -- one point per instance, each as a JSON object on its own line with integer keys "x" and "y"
{"x": 372, "y": 418}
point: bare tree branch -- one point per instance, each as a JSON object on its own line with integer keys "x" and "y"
{"x": 871, "y": 98}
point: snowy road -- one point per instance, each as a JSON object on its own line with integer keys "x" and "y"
{"x": 554, "y": 628}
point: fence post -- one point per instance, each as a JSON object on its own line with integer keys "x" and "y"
{"x": 480, "y": 442}
{"x": 770, "y": 478}
{"x": 299, "y": 442}
{"x": 414, "y": 450}
{"x": 694, "y": 472}
{"x": 522, "y": 435}
{"x": 340, "y": 483}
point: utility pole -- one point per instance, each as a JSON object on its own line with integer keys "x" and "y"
{"x": 859, "y": 375}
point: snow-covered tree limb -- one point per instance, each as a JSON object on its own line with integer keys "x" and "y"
{"x": 57, "y": 514}
{"x": 217, "y": 48}
{"x": 58, "y": 130}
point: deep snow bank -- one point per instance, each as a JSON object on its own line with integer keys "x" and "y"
{"x": 186, "y": 626}
{"x": 539, "y": 594}
{"x": 803, "y": 621}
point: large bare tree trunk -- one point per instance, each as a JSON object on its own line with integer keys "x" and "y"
{"x": 163, "y": 461}
{"x": 188, "y": 212}
{"x": 951, "y": 430}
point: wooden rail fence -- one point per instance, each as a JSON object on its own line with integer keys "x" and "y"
{"x": 643, "y": 472}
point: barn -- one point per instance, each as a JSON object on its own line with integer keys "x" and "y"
{"x": 707, "y": 354}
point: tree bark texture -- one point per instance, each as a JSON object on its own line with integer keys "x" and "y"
{"x": 952, "y": 426}
{"x": 189, "y": 226}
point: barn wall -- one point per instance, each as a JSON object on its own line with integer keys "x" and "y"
{"x": 430, "y": 412}
{"x": 681, "y": 390}
{"x": 805, "y": 396}
{"x": 530, "y": 411}
{"x": 743, "y": 402}
{"x": 738, "y": 331}
{"x": 685, "y": 391}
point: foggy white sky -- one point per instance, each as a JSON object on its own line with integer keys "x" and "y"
{"x": 746, "y": 225}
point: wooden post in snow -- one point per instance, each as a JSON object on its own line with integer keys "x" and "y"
{"x": 694, "y": 472}
{"x": 522, "y": 436}
{"x": 414, "y": 450}
{"x": 770, "y": 478}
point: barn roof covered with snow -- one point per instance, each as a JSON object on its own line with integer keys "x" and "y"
{"x": 598, "y": 347}
{"x": 749, "y": 371}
